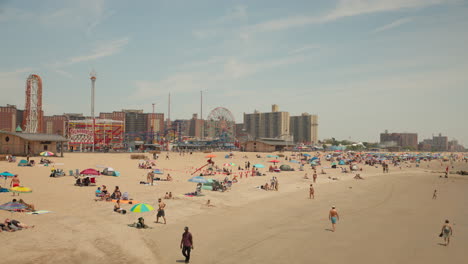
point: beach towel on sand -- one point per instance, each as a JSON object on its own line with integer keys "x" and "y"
{"x": 39, "y": 212}
{"x": 135, "y": 225}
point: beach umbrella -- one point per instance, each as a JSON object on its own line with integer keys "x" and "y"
{"x": 210, "y": 156}
{"x": 269, "y": 156}
{"x": 90, "y": 172}
{"x": 7, "y": 174}
{"x": 12, "y": 206}
{"x": 20, "y": 189}
{"x": 158, "y": 172}
{"x": 294, "y": 161}
{"x": 307, "y": 155}
{"x": 274, "y": 161}
{"x": 198, "y": 179}
{"x": 46, "y": 154}
{"x": 233, "y": 164}
{"x": 227, "y": 164}
{"x": 315, "y": 158}
{"x": 141, "y": 208}
{"x": 259, "y": 166}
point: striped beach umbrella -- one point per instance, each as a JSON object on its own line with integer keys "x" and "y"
{"x": 46, "y": 154}
{"x": 12, "y": 206}
{"x": 141, "y": 208}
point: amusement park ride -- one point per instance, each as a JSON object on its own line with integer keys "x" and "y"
{"x": 33, "y": 114}
{"x": 220, "y": 124}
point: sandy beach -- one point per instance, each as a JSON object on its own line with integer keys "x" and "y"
{"x": 385, "y": 218}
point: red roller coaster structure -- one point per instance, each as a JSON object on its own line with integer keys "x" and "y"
{"x": 33, "y": 114}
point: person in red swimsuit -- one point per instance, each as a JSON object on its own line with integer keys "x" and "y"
{"x": 15, "y": 182}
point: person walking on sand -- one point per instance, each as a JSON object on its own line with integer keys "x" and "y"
{"x": 434, "y": 195}
{"x": 15, "y": 182}
{"x": 334, "y": 217}
{"x": 314, "y": 177}
{"x": 186, "y": 244}
{"x": 150, "y": 177}
{"x": 446, "y": 232}
{"x": 161, "y": 213}
{"x": 311, "y": 192}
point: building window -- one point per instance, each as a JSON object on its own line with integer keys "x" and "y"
{"x": 7, "y": 139}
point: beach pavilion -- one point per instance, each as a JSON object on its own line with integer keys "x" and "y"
{"x": 266, "y": 145}
{"x": 22, "y": 144}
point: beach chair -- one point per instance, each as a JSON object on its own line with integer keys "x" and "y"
{"x": 92, "y": 181}
{"x": 71, "y": 172}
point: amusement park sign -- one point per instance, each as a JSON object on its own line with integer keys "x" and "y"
{"x": 81, "y": 136}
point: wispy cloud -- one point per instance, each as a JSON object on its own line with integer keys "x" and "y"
{"x": 234, "y": 15}
{"x": 230, "y": 69}
{"x": 344, "y": 8}
{"x": 15, "y": 80}
{"x": 304, "y": 49}
{"x": 393, "y": 24}
{"x": 84, "y": 15}
{"x": 100, "y": 51}
{"x": 103, "y": 50}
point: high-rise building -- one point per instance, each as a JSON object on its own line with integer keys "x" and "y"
{"x": 439, "y": 143}
{"x": 196, "y": 127}
{"x": 304, "y": 128}
{"x": 403, "y": 140}
{"x": 267, "y": 125}
{"x": 141, "y": 126}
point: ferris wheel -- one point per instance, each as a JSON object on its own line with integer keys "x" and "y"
{"x": 221, "y": 124}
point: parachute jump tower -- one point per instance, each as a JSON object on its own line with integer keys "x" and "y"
{"x": 33, "y": 114}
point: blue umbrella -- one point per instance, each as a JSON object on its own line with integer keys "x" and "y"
{"x": 259, "y": 166}
{"x": 294, "y": 161}
{"x": 6, "y": 174}
{"x": 158, "y": 172}
{"x": 307, "y": 155}
{"x": 11, "y": 206}
{"x": 314, "y": 158}
{"x": 198, "y": 179}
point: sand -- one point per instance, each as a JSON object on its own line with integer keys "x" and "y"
{"x": 386, "y": 218}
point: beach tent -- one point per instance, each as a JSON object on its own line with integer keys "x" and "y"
{"x": 285, "y": 168}
{"x": 23, "y": 163}
{"x": 341, "y": 162}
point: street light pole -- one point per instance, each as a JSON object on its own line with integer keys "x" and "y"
{"x": 201, "y": 113}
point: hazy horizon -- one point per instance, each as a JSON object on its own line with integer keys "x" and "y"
{"x": 362, "y": 66}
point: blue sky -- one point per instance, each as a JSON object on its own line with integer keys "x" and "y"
{"x": 362, "y": 65}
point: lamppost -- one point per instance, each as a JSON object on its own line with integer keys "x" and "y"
{"x": 93, "y": 76}
{"x": 201, "y": 113}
